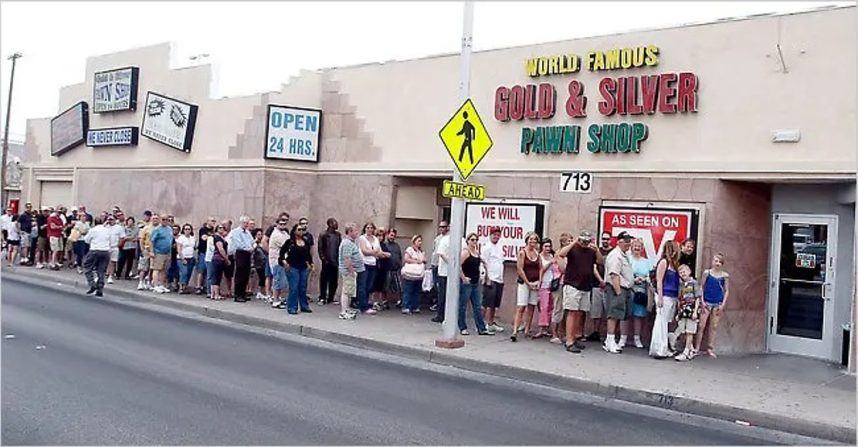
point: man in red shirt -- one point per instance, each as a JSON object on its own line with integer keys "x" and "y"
{"x": 55, "y": 237}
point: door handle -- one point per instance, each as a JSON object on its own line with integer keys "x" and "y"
{"x": 826, "y": 289}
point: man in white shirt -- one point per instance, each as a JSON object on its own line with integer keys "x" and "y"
{"x": 440, "y": 253}
{"x": 5, "y": 221}
{"x": 96, "y": 260}
{"x": 618, "y": 296}
{"x": 443, "y": 228}
{"x": 278, "y": 237}
{"x": 117, "y": 233}
{"x": 492, "y": 253}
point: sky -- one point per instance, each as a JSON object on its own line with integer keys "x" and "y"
{"x": 257, "y": 46}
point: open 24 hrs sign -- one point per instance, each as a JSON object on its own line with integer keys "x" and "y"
{"x": 576, "y": 182}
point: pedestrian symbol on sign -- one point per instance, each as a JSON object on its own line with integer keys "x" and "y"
{"x": 469, "y": 133}
{"x": 466, "y": 139}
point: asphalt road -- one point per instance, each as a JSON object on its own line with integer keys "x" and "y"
{"x": 113, "y": 374}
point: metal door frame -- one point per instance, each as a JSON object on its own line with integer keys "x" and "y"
{"x": 823, "y": 348}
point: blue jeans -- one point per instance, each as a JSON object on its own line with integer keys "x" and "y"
{"x": 297, "y": 289}
{"x": 411, "y": 294}
{"x": 173, "y": 271}
{"x": 442, "y": 297}
{"x": 186, "y": 270}
{"x": 471, "y": 292}
{"x": 363, "y": 290}
{"x": 80, "y": 248}
{"x": 215, "y": 272}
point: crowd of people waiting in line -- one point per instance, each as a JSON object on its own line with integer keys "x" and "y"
{"x": 562, "y": 288}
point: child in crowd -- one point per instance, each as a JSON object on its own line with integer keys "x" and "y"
{"x": 716, "y": 289}
{"x": 687, "y": 312}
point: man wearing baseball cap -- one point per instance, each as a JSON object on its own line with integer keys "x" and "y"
{"x": 492, "y": 253}
{"x": 618, "y": 296}
{"x": 581, "y": 259}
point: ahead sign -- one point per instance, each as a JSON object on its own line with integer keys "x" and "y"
{"x": 463, "y": 190}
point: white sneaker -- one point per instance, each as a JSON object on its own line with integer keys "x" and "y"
{"x": 347, "y": 316}
{"x": 638, "y": 343}
{"x": 622, "y": 343}
{"x": 260, "y": 296}
{"x": 610, "y": 346}
{"x": 110, "y": 280}
{"x": 464, "y": 332}
{"x": 141, "y": 286}
{"x": 496, "y": 327}
{"x": 40, "y": 266}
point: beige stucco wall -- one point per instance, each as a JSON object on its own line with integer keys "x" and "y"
{"x": 743, "y": 96}
{"x": 385, "y": 117}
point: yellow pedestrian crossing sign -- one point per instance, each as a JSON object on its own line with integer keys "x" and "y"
{"x": 466, "y": 139}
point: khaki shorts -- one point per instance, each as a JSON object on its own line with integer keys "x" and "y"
{"x": 349, "y": 285}
{"x": 114, "y": 255}
{"x": 42, "y": 244}
{"x": 56, "y": 244}
{"x": 598, "y": 305}
{"x": 619, "y": 306}
{"x": 686, "y": 326}
{"x": 160, "y": 262}
{"x": 557, "y": 310}
{"x": 574, "y": 299}
{"x": 526, "y": 296}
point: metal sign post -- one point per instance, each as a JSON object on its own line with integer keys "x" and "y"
{"x": 457, "y": 212}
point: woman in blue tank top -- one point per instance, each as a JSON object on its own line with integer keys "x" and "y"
{"x": 716, "y": 289}
{"x": 666, "y": 293}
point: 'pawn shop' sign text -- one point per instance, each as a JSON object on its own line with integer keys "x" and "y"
{"x": 626, "y": 96}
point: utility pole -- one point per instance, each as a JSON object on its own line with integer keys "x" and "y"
{"x": 457, "y": 212}
{"x": 14, "y": 57}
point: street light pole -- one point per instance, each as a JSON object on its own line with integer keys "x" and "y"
{"x": 14, "y": 57}
{"x": 457, "y": 211}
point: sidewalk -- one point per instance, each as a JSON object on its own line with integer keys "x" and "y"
{"x": 782, "y": 392}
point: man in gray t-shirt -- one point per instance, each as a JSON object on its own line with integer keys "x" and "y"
{"x": 352, "y": 270}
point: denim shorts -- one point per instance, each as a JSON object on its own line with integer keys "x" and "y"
{"x": 279, "y": 280}
{"x": 201, "y": 262}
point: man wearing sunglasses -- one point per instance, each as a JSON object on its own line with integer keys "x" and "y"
{"x": 439, "y": 270}
{"x": 443, "y": 228}
{"x": 276, "y": 239}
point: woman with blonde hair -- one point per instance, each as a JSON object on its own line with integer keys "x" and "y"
{"x": 529, "y": 270}
{"x": 666, "y": 295}
{"x": 413, "y": 270}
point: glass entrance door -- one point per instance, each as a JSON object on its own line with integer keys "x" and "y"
{"x": 802, "y": 286}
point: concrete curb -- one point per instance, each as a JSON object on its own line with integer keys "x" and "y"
{"x": 607, "y": 391}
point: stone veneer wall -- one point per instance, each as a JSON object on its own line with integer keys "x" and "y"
{"x": 227, "y": 193}
{"x": 736, "y": 222}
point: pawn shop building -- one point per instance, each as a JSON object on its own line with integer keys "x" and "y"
{"x": 739, "y": 134}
